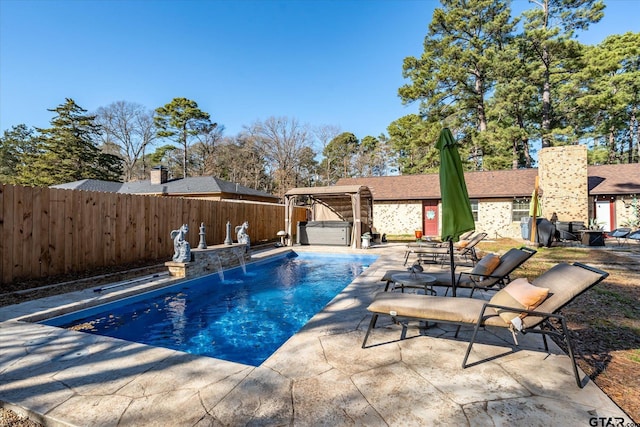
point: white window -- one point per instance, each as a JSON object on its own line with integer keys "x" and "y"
{"x": 474, "y": 208}
{"x": 520, "y": 209}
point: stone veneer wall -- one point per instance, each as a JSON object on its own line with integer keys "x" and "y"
{"x": 208, "y": 261}
{"x": 624, "y": 211}
{"x": 494, "y": 218}
{"x": 401, "y": 217}
{"x": 398, "y": 218}
{"x": 563, "y": 182}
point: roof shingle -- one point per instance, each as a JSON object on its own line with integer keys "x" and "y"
{"x": 192, "y": 185}
{"x": 602, "y": 179}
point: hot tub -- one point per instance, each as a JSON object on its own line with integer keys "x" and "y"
{"x": 331, "y": 233}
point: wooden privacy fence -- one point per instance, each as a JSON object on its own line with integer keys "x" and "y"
{"x": 46, "y": 232}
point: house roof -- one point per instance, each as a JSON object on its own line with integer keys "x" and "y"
{"x": 602, "y": 179}
{"x": 486, "y": 184}
{"x": 200, "y": 185}
{"x": 614, "y": 179}
{"x": 91, "y": 185}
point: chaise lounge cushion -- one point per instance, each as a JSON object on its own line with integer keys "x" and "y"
{"x": 564, "y": 282}
{"x": 444, "y": 309}
{"x": 519, "y": 294}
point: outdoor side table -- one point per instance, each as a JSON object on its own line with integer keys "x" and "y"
{"x": 414, "y": 280}
{"x": 592, "y": 238}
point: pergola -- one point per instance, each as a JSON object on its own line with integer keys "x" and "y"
{"x": 351, "y": 203}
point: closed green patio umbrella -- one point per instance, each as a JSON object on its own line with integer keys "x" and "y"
{"x": 457, "y": 217}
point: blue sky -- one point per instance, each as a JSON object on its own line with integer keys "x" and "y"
{"x": 329, "y": 62}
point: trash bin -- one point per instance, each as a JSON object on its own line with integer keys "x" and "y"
{"x": 524, "y": 227}
{"x": 366, "y": 241}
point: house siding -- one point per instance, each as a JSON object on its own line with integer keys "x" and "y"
{"x": 624, "y": 211}
{"x": 494, "y": 218}
{"x": 397, "y": 218}
{"x": 403, "y": 218}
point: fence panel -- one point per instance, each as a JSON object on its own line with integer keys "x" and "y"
{"x": 6, "y": 238}
{"x": 41, "y": 229}
{"x": 47, "y": 232}
{"x": 56, "y": 231}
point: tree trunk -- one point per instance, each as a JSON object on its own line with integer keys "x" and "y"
{"x": 184, "y": 153}
{"x": 633, "y": 124}
{"x": 482, "y": 117}
{"x": 525, "y": 144}
{"x": 546, "y": 101}
{"x": 546, "y": 87}
{"x": 613, "y": 155}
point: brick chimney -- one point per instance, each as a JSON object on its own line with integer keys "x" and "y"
{"x": 564, "y": 182}
{"x": 159, "y": 175}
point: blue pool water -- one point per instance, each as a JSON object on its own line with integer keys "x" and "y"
{"x": 243, "y": 318}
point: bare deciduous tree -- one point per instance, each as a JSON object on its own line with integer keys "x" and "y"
{"x": 130, "y": 127}
{"x": 282, "y": 141}
{"x": 325, "y": 134}
{"x": 203, "y": 152}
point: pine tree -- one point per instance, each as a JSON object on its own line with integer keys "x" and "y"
{"x": 412, "y": 143}
{"x": 69, "y": 151}
{"x": 610, "y": 83}
{"x": 511, "y": 111}
{"x": 549, "y": 29}
{"x": 17, "y": 146}
{"x": 180, "y": 120}
{"x": 340, "y": 153}
{"x": 457, "y": 71}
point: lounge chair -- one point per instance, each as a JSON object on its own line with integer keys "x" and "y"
{"x": 492, "y": 279}
{"x": 434, "y": 254}
{"x": 563, "y": 281}
{"x": 435, "y": 243}
{"x": 478, "y": 277}
{"x": 620, "y": 234}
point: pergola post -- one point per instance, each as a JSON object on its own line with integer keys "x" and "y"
{"x": 357, "y": 220}
{"x": 288, "y": 211}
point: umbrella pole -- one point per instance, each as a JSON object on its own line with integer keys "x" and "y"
{"x": 451, "y": 265}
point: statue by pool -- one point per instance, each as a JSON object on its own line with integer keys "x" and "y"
{"x": 181, "y": 247}
{"x": 241, "y": 231}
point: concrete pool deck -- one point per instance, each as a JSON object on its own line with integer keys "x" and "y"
{"x": 321, "y": 376}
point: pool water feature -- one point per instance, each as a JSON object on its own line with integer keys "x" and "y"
{"x": 242, "y": 318}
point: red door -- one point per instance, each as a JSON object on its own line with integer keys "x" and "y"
{"x": 430, "y": 218}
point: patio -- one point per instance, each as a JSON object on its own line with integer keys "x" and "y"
{"x": 320, "y": 376}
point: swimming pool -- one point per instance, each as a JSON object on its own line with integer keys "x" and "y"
{"x": 242, "y": 317}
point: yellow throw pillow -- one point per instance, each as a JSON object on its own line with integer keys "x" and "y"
{"x": 520, "y": 295}
{"x": 486, "y": 265}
